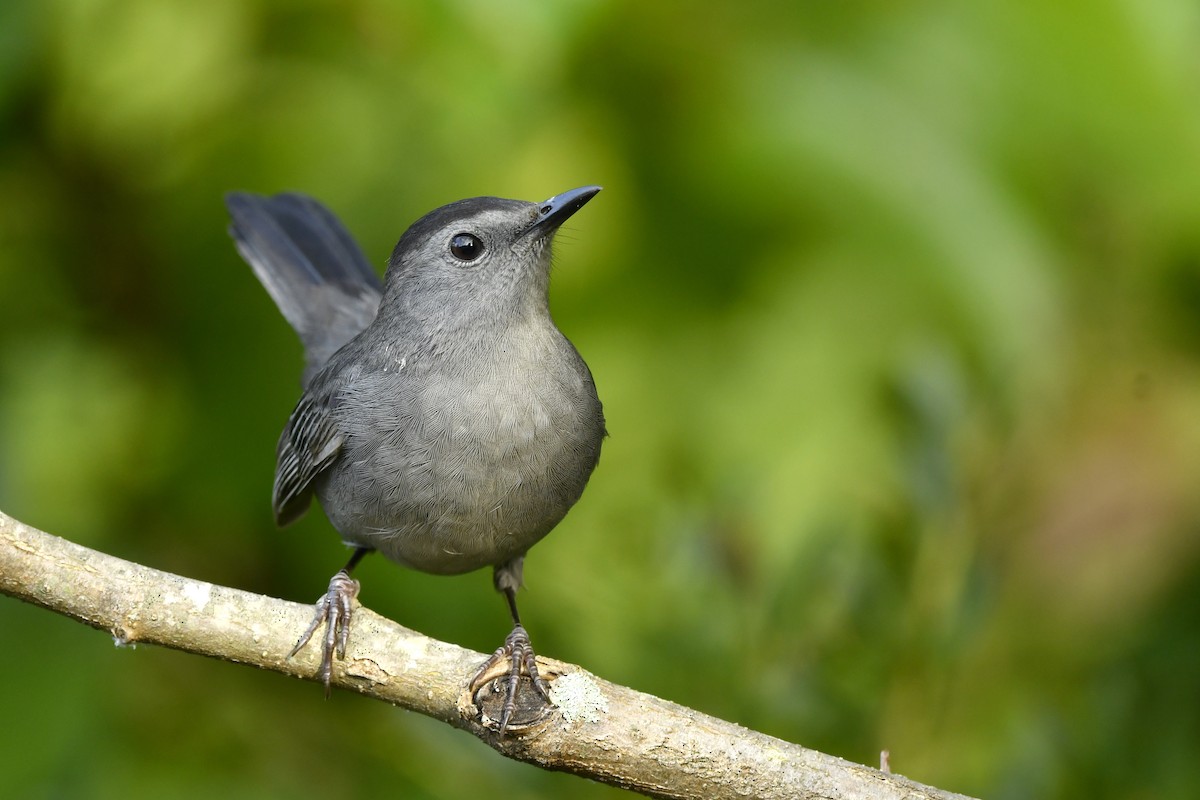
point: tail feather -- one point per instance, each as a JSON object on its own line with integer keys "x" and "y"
{"x": 309, "y": 264}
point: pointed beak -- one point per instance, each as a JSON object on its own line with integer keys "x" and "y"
{"x": 558, "y": 209}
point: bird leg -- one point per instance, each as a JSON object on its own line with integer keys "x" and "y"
{"x": 515, "y": 656}
{"x": 333, "y": 610}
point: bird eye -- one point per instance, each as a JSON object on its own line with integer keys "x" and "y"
{"x": 466, "y": 247}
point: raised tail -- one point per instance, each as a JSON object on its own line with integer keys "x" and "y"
{"x": 310, "y": 265}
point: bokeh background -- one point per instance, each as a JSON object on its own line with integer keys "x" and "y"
{"x": 894, "y": 308}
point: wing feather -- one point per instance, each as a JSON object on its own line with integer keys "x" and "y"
{"x": 310, "y": 442}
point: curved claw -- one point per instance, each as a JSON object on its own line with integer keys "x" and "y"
{"x": 516, "y": 655}
{"x": 333, "y": 610}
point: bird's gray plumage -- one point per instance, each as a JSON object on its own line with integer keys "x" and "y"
{"x": 311, "y": 267}
{"x": 446, "y": 421}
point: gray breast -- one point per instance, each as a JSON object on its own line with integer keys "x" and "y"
{"x": 468, "y": 460}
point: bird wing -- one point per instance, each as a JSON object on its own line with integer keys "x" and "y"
{"x": 309, "y": 444}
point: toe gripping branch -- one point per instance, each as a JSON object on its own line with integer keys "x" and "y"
{"x": 508, "y": 687}
{"x": 333, "y": 610}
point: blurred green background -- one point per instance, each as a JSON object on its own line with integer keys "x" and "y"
{"x": 894, "y": 308}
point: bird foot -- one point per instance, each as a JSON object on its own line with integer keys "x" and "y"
{"x": 333, "y": 610}
{"x": 512, "y": 667}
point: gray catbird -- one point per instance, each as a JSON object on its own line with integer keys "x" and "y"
{"x": 445, "y": 422}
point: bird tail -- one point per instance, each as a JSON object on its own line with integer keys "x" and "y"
{"x": 310, "y": 265}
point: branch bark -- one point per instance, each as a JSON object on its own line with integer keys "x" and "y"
{"x": 599, "y": 730}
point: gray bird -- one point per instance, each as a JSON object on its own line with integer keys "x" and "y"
{"x": 446, "y": 421}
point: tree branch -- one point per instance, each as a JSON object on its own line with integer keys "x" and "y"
{"x": 599, "y": 730}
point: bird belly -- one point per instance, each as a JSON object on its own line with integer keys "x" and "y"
{"x": 483, "y": 477}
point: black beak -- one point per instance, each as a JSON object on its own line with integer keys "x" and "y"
{"x": 558, "y": 209}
